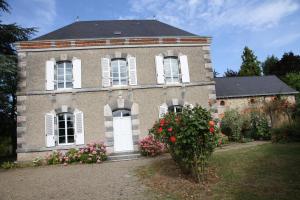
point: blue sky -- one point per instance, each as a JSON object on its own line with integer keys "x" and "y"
{"x": 266, "y": 26}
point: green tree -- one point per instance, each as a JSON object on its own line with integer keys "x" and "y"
{"x": 269, "y": 63}
{"x": 287, "y": 64}
{"x": 250, "y": 64}
{"x": 230, "y": 73}
{"x": 9, "y": 33}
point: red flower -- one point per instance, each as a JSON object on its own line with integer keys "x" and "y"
{"x": 173, "y": 139}
{"x": 170, "y": 129}
{"x": 162, "y": 122}
{"x": 211, "y": 123}
{"x": 159, "y": 130}
{"x": 211, "y": 130}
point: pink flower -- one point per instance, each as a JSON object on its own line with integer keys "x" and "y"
{"x": 65, "y": 164}
{"x": 94, "y": 152}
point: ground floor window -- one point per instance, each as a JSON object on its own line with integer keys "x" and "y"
{"x": 65, "y": 123}
{"x": 175, "y": 109}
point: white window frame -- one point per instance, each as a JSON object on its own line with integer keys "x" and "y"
{"x": 119, "y": 72}
{"x": 65, "y": 80}
{"x": 66, "y": 128}
{"x": 171, "y": 70}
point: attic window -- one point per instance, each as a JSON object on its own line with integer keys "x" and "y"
{"x": 117, "y": 32}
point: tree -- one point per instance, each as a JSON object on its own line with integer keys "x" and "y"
{"x": 269, "y": 63}
{"x": 288, "y": 63}
{"x": 250, "y": 64}
{"x": 216, "y": 73}
{"x": 9, "y": 33}
{"x": 230, "y": 73}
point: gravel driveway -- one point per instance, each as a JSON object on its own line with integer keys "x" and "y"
{"x": 110, "y": 180}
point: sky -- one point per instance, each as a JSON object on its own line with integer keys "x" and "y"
{"x": 268, "y": 27}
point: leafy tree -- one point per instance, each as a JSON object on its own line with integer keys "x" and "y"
{"x": 9, "y": 33}
{"x": 250, "y": 64}
{"x": 288, "y": 63}
{"x": 216, "y": 73}
{"x": 269, "y": 63}
{"x": 230, "y": 73}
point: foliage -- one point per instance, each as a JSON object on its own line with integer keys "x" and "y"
{"x": 221, "y": 139}
{"x": 150, "y": 147}
{"x": 5, "y": 146}
{"x": 250, "y": 64}
{"x": 8, "y": 165}
{"x": 293, "y": 80}
{"x": 92, "y": 153}
{"x": 190, "y": 137}
{"x": 287, "y": 133}
{"x": 9, "y": 34}
{"x": 269, "y": 63}
{"x": 289, "y": 63}
{"x": 38, "y": 161}
{"x": 259, "y": 126}
{"x": 231, "y": 125}
{"x": 230, "y": 73}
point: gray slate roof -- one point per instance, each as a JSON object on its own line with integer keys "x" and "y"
{"x": 114, "y": 29}
{"x": 227, "y": 87}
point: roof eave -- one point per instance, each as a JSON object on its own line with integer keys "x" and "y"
{"x": 254, "y": 95}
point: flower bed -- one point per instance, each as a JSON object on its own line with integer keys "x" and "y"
{"x": 150, "y": 147}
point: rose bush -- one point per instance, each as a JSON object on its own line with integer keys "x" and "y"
{"x": 92, "y": 153}
{"x": 150, "y": 147}
{"x": 190, "y": 138}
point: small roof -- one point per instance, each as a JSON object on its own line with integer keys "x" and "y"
{"x": 227, "y": 87}
{"x": 115, "y": 29}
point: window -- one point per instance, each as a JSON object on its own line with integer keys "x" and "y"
{"x": 119, "y": 71}
{"x": 121, "y": 113}
{"x": 171, "y": 69}
{"x": 64, "y": 75}
{"x": 175, "y": 109}
{"x": 65, "y": 127}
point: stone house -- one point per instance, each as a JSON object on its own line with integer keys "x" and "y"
{"x": 106, "y": 81}
{"x": 248, "y": 92}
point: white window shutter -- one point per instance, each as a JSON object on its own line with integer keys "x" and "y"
{"x": 50, "y": 74}
{"x": 105, "y": 63}
{"x": 163, "y": 109}
{"x": 185, "y": 74}
{"x": 159, "y": 61}
{"x": 76, "y": 73}
{"x": 79, "y": 127}
{"x": 49, "y": 130}
{"x": 132, "y": 70}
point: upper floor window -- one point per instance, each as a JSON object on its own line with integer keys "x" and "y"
{"x": 175, "y": 109}
{"x": 171, "y": 70}
{"x": 64, "y": 75}
{"x": 119, "y": 71}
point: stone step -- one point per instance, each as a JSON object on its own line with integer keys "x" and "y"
{"x": 123, "y": 156}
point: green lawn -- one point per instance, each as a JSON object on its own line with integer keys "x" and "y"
{"x": 269, "y": 171}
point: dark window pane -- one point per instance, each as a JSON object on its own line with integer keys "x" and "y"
{"x": 61, "y": 124}
{"x": 70, "y": 139}
{"x": 62, "y": 140}
{"x": 62, "y": 132}
{"x": 70, "y": 124}
{"x": 70, "y": 131}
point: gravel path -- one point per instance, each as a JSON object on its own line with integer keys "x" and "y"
{"x": 110, "y": 180}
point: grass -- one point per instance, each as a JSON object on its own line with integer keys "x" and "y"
{"x": 269, "y": 171}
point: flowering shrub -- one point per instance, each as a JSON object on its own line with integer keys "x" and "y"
{"x": 92, "y": 153}
{"x": 150, "y": 147}
{"x": 190, "y": 138}
{"x": 38, "y": 161}
{"x": 232, "y": 124}
{"x": 221, "y": 139}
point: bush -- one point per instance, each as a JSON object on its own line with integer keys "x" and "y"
{"x": 92, "y": 153}
{"x": 231, "y": 125}
{"x": 190, "y": 138}
{"x": 150, "y": 147}
{"x": 8, "y": 165}
{"x": 221, "y": 139}
{"x": 286, "y": 133}
{"x": 259, "y": 126}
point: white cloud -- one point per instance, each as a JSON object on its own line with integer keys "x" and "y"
{"x": 213, "y": 14}
{"x": 284, "y": 40}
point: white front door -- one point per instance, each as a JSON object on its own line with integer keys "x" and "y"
{"x": 122, "y": 134}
